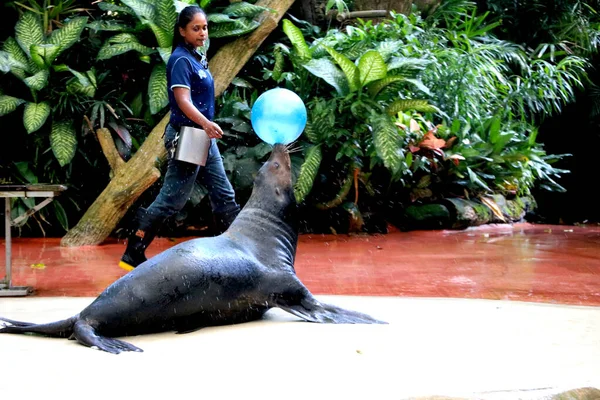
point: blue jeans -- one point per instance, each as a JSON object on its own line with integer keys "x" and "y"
{"x": 179, "y": 181}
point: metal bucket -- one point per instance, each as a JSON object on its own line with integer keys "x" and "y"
{"x": 192, "y": 145}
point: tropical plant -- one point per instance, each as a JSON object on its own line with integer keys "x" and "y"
{"x": 69, "y": 104}
{"x": 550, "y": 29}
{"x": 51, "y": 12}
{"x": 481, "y": 136}
{"x": 356, "y": 121}
{"x": 31, "y": 56}
{"x": 160, "y": 16}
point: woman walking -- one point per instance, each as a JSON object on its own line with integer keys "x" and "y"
{"x": 192, "y": 103}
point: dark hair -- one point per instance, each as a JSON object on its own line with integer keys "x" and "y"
{"x": 184, "y": 18}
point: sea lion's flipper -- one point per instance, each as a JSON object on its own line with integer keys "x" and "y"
{"x": 15, "y": 323}
{"x": 60, "y": 329}
{"x": 86, "y": 335}
{"x": 311, "y": 310}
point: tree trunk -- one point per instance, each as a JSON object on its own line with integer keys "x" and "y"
{"x": 131, "y": 179}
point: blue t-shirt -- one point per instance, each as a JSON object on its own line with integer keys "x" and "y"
{"x": 187, "y": 68}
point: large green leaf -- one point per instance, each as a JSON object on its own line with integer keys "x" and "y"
{"x": 38, "y": 81}
{"x": 321, "y": 121}
{"x": 279, "y": 63}
{"x": 297, "y": 38}
{"x": 375, "y": 87}
{"x": 163, "y": 37}
{"x": 165, "y": 53}
{"x": 29, "y": 31}
{"x": 8, "y": 63}
{"x": 63, "y": 141}
{"x": 14, "y": 50}
{"x": 35, "y": 115}
{"x": 218, "y": 18}
{"x": 371, "y": 67}
{"x": 44, "y": 54}
{"x": 19, "y": 73}
{"x": 388, "y": 48}
{"x": 144, "y": 10}
{"x": 243, "y": 9}
{"x": 109, "y": 26}
{"x": 237, "y": 28}
{"x": 9, "y": 104}
{"x": 308, "y": 172}
{"x": 123, "y": 38}
{"x": 84, "y": 83}
{"x": 68, "y": 34}
{"x": 387, "y": 142}
{"x": 311, "y": 132}
{"x": 356, "y": 50}
{"x": 407, "y": 66}
{"x": 166, "y": 15}
{"x": 325, "y": 69}
{"x": 410, "y": 104}
{"x": 350, "y": 70}
{"x": 104, "y": 6}
{"x": 111, "y": 50}
{"x": 158, "y": 97}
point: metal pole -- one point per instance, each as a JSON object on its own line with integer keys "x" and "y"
{"x": 8, "y": 240}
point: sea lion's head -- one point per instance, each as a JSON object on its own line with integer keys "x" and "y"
{"x": 273, "y": 189}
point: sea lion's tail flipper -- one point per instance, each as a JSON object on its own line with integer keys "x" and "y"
{"x": 60, "y": 329}
{"x": 312, "y": 310}
{"x": 86, "y": 335}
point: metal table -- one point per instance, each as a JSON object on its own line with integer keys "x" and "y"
{"x": 8, "y": 191}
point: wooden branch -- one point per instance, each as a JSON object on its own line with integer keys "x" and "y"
{"x": 362, "y": 14}
{"x": 109, "y": 149}
{"x": 133, "y": 177}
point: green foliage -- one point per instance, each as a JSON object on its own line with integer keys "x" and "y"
{"x": 9, "y": 104}
{"x": 34, "y": 115}
{"x": 157, "y": 94}
{"x": 160, "y": 16}
{"x": 76, "y": 70}
{"x": 308, "y": 172}
{"x": 551, "y": 29}
{"x": 355, "y": 122}
{"x": 63, "y": 141}
{"x": 30, "y": 57}
{"x": 444, "y": 106}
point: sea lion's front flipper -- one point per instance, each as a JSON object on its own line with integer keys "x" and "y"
{"x": 311, "y": 310}
{"x": 86, "y": 335}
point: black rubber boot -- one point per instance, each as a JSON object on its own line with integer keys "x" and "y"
{"x": 222, "y": 221}
{"x": 138, "y": 242}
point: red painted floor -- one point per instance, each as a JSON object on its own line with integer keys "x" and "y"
{"x": 538, "y": 263}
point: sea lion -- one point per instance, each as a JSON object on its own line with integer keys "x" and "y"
{"x": 232, "y": 278}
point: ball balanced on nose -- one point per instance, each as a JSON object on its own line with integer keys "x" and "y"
{"x": 278, "y": 116}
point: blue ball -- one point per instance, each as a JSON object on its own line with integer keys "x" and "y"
{"x": 278, "y": 116}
